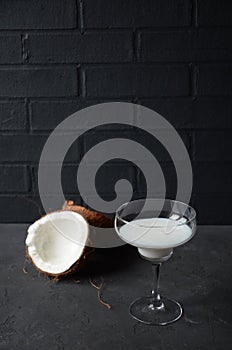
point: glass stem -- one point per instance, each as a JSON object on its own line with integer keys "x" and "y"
{"x": 155, "y": 288}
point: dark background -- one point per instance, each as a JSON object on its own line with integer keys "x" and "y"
{"x": 173, "y": 56}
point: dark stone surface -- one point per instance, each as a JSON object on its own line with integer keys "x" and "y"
{"x": 37, "y": 313}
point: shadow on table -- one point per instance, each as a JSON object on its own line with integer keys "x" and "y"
{"x": 106, "y": 261}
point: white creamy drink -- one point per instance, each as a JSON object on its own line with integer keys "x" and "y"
{"x": 155, "y": 238}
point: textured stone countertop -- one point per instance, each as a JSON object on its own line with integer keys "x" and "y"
{"x": 37, "y": 313}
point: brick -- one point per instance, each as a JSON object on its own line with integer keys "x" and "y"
{"x": 136, "y": 13}
{"x": 214, "y": 80}
{"x": 23, "y": 82}
{"x": 75, "y": 48}
{"x": 20, "y": 209}
{"x": 213, "y": 146}
{"x": 28, "y": 148}
{"x": 158, "y": 149}
{"x": 169, "y": 173}
{"x": 10, "y": 49}
{"x": 96, "y": 136}
{"x": 148, "y": 141}
{"x": 109, "y": 173}
{"x": 106, "y": 177}
{"x": 39, "y": 14}
{"x": 137, "y": 81}
{"x": 212, "y": 178}
{"x": 27, "y": 208}
{"x": 192, "y": 113}
{"x": 214, "y": 12}
{"x": 13, "y": 115}
{"x": 13, "y": 178}
{"x": 46, "y": 115}
{"x": 68, "y": 178}
{"x": 188, "y": 45}
{"x": 213, "y": 209}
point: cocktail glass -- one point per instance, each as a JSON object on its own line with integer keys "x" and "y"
{"x": 155, "y": 227}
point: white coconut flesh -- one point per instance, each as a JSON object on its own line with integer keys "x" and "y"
{"x": 56, "y": 241}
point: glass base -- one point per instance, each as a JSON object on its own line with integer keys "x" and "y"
{"x": 148, "y": 311}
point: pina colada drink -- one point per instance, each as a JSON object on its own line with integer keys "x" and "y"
{"x": 155, "y": 238}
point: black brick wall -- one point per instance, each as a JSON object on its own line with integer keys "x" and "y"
{"x": 58, "y": 56}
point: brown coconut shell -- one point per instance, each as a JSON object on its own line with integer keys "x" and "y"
{"x": 93, "y": 218}
{"x": 72, "y": 270}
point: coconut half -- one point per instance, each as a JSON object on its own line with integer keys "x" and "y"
{"x": 56, "y": 243}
